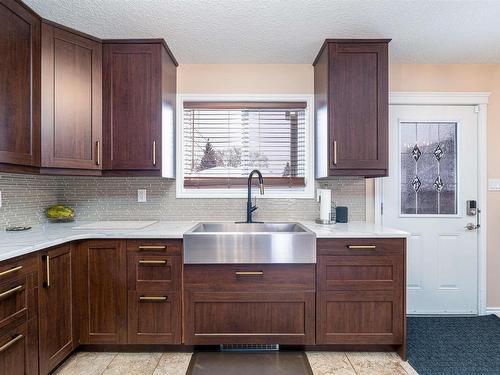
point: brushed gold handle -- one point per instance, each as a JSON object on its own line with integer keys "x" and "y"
{"x": 154, "y": 152}
{"x": 152, "y": 298}
{"x": 11, "y": 342}
{"x": 46, "y": 283}
{"x": 152, "y": 247}
{"x": 152, "y": 262}
{"x": 249, "y": 273}
{"x": 362, "y": 247}
{"x": 334, "y": 152}
{"x": 11, "y": 270}
{"x": 10, "y": 291}
{"x": 98, "y": 153}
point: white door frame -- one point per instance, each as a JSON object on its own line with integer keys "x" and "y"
{"x": 479, "y": 99}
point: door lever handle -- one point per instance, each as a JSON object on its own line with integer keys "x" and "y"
{"x": 471, "y": 226}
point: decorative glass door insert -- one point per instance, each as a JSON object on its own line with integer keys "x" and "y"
{"x": 428, "y": 167}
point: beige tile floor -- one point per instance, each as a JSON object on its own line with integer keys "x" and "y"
{"x": 322, "y": 363}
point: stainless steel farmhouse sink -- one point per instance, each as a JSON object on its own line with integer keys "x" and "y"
{"x": 209, "y": 243}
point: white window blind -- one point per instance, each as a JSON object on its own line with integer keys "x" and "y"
{"x": 225, "y": 141}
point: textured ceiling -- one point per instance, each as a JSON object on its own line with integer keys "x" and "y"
{"x": 291, "y": 31}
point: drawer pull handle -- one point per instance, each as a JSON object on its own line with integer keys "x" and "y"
{"x": 152, "y": 262}
{"x": 152, "y": 247}
{"x": 362, "y": 247}
{"x": 152, "y": 298}
{"x": 98, "y": 153}
{"x": 154, "y": 152}
{"x": 249, "y": 273}
{"x": 46, "y": 283}
{"x": 10, "y": 291}
{"x": 11, "y": 270}
{"x": 11, "y": 342}
{"x": 334, "y": 152}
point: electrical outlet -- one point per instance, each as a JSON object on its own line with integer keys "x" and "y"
{"x": 141, "y": 195}
{"x": 493, "y": 184}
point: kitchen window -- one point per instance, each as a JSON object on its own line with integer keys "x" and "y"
{"x": 222, "y": 141}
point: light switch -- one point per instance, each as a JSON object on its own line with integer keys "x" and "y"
{"x": 141, "y": 195}
{"x": 494, "y": 184}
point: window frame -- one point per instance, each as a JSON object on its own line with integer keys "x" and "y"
{"x": 292, "y": 193}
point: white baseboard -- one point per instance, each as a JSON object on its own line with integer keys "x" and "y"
{"x": 493, "y": 310}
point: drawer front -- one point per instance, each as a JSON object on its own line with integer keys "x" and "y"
{"x": 243, "y": 318}
{"x": 154, "y": 272}
{"x": 154, "y": 317}
{"x": 362, "y": 317}
{"x": 14, "y": 353}
{"x": 250, "y": 277}
{"x": 13, "y": 300}
{"x": 15, "y": 268}
{"x": 361, "y": 246}
{"x": 162, "y": 247}
{"x": 360, "y": 272}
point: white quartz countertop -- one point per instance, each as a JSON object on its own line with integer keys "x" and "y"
{"x": 13, "y": 244}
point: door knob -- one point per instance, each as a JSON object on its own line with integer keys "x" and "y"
{"x": 471, "y": 226}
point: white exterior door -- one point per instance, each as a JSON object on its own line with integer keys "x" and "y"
{"x": 433, "y": 173}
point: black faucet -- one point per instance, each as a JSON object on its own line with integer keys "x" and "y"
{"x": 251, "y": 208}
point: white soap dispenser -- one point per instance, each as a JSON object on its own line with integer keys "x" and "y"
{"x": 324, "y": 196}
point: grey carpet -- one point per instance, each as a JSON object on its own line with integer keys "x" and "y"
{"x": 275, "y": 363}
{"x": 454, "y": 346}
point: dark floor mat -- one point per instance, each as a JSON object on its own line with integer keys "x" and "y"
{"x": 454, "y": 346}
{"x": 278, "y": 363}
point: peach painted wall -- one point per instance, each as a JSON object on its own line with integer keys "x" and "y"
{"x": 298, "y": 79}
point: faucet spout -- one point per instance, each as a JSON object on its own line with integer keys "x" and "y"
{"x": 251, "y": 208}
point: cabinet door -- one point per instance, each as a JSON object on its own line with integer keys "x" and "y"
{"x": 14, "y": 352}
{"x": 358, "y": 102}
{"x": 55, "y": 307}
{"x": 102, "y": 292}
{"x": 71, "y": 100}
{"x": 20, "y": 85}
{"x": 213, "y": 318}
{"x": 359, "y": 317}
{"x": 132, "y": 106}
{"x": 154, "y": 317}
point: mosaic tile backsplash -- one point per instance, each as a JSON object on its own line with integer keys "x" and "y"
{"x": 115, "y": 198}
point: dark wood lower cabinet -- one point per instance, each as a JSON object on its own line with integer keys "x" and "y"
{"x": 359, "y": 317}
{"x": 213, "y": 318}
{"x": 154, "y": 317}
{"x": 101, "y": 297}
{"x": 249, "y": 304}
{"x": 360, "y": 298}
{"x": 109, "y": 292}
{"x": 55, "y": 307}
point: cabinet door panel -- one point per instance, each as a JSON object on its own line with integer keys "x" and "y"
{"x": 362, "y": 317}
{"x": 71, "y": 102}
{"x": 239, "y": 318}
{"x": 102, "y": 295}
{"x": 20, "y": 88}
{"x": 154, "y": 317}
{"x": 55, "y": 310}
{"x": 132, "y": 106}
{"x": 358, "y": 105}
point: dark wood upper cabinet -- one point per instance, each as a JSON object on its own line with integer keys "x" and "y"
{"x": 351, "y": 104}
{"x": 55, "y": 307}
{"x": 20, "y": 85}
{"x": 71, "y": 100}
{"x": 139, "y": 86}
